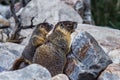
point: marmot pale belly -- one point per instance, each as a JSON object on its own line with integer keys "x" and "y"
{"x": 38, "y": 38}
{"x": 52, "y": 54}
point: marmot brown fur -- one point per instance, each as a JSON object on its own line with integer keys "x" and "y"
{"x": 38, "y": 38}
{"x": 52, "y": 54}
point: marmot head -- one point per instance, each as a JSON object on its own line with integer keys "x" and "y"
{"x": 40, "y": 33}
{"x": 70, "y": 26}
{"x": 47, "y": 26}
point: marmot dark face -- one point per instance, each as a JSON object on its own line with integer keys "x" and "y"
{"x": 40, "y": 33}
{"x": 45, "y": 25}
{"x": 70, "y": 26}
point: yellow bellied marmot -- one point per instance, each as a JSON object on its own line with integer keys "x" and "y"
{"x": 52, "y": 54}
{"x": 38, "y": 38}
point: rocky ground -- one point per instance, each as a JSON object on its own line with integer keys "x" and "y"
{"x": 95, "y": 51}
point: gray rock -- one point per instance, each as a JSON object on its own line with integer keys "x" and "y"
{"x": 4, "y": 22}
{"x": 70, "y": 2}
{"x": 60, "y": 77}
{"x": 83, "y": 7}
{"x": 108, "y": 39}
{"x": 31, "y": 72}
{"x": 50, "y": 10}
{"x": 2, "y": 69}
{"x": 3, "y": 36}
{"x": 5, "y": 11}
{"x": 9, "y": 52}
{"x": 26, "y": 33}
{"x": 115, "y": 56}
{"x": 87, "y": 59}
{"x": 112, "y": 72}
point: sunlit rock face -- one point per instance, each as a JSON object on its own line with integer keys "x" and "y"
{"x": 52, "y": 11}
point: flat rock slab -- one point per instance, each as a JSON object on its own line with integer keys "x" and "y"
{"x": 9, "y": 52}
{"x": 32, "y": 72}
{"x": 86, "y": 59}
{"x": 112, "y": 72}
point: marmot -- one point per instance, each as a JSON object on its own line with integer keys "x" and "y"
{"x": 52, "y": 54}
{"x": 38, "y": 37}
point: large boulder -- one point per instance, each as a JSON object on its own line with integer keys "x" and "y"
{"x": 9, "y": 52}
{"x": 107, "y": 38}
{"x": 50, "y": 10}
{"x": 27, "y": 34}
{"x": 86, "y": 59}
{"x": 31, "y": 72}
{"x": 112, "y": 72}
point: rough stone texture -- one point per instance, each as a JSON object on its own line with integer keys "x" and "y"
{"x": 83, "y": 7}
{"x": 79, "y": 7}
{"x": 87, "y": 12}
{"x": 87, "y": 59}
{"x": 2, "y": 69}
{"x": 5, "y": 11}
{"x": 51, "y": 10}
{"x": 8, "y": 54}
{"x": 70, "y": 2}
{"x": 60, "y": 77}
{"x": 3, "y": 36}
{"x": 26, "y": 33}
{"x": 4, "y": 22}
{"x": 109, "y": 39}
{"x": 112, "y": 72}
{"x": 115, "y": 56}
{"x": 32, "y": 72}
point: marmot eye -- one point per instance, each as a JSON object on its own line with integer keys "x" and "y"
{"x": 61, "y": 24}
